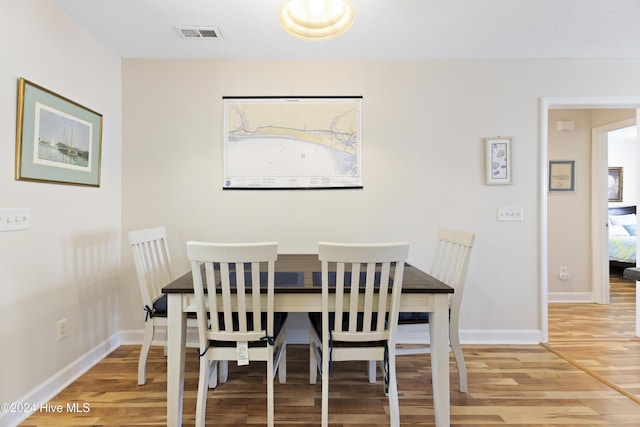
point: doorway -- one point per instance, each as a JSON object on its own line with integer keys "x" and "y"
{"x": 605, "y": 155}
{"x": 598, "y": 212}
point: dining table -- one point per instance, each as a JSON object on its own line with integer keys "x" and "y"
{"x": 298, "y": 290}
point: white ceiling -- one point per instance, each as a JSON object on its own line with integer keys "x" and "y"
{"x": 383, "y": 29}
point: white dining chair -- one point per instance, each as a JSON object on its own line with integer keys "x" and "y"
{"x": 153, "y": 268}
{"x": 449, "y": 265}
{"x": 234, "y": 322}
{"x": 367, "y": 280}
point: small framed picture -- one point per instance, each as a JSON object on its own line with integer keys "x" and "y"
{"x": 498, "y": 160}
{"x": 562, "y": 175}
{"x": 58, "y": 140}
{"x": 614, "y": 184}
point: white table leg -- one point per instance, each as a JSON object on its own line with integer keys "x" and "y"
{"x": 439, "y": 336}
{"x": 176, "y": 339}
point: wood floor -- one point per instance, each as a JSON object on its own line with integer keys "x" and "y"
{"x": 601, "y": 338}
{"x": 508, "y": 385}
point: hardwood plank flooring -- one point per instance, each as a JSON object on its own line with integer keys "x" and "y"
{"x": 601, "y": 338}
{"x": 508, "y": 385}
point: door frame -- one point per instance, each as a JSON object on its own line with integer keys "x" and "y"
{"x": 546, "y": 104}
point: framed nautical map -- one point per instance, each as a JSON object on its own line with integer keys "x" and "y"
{"x": 58, "y": 140}
{"x": 292, "y": 143}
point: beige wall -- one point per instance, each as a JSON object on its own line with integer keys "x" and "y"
{"x": 424, "y": 124}
{"x": 569, "y": 213}
{"x": 67, "y": 264}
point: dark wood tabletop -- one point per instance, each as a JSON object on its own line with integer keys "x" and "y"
{"x": 308, "y": 265}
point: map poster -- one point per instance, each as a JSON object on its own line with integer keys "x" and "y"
{"x": 292, "y": 143}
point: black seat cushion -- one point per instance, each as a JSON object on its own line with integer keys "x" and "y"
{"x": 412, "y": 317}
{"x": 160, "y": 306}
{"x": 417, "y": 317}
{"x": 279, "y": 320}
{"x": 403, "y": 318}
{"x": 315, "y": 319}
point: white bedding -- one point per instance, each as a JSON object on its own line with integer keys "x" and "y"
{"x": 622, "y": 238}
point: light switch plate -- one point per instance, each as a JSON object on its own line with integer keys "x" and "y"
{"x": 510, "y": 214}
{"x": 12, "y": 219}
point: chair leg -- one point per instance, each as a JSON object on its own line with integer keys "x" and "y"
{"x": 454, "y": 339}
{"x": 203, "y": 381}
{"x": 282, "y": 365}
{"x": 394, "y": 406}
{"x": 213, "y": 375}
{"x": 270, "y": 399}
{"x": 372, "y": 371}
{"x": 223, "y": 370}
{"x": 144, "y": 351}
{"x": 325, "y": 384}
{"x": 313, "y": 360}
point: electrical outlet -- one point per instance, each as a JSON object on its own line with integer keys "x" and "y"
{"x": 62, "y": 328}
{"x": 564, "y": 273}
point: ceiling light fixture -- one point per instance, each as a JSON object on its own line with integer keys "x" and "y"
{"x": 316, "y": 19}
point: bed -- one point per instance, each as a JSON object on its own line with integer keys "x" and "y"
{"x": 622, "y": 236}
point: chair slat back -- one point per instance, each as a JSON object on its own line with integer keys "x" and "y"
{"x": 152, "y": 261}
{"x": 451, "y": 260}
{"x": 371, "y": 273}
{"x": 232, "y": 308}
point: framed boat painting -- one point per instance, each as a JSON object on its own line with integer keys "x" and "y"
{"x": 57, "y": 140}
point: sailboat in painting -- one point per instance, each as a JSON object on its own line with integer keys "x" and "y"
{"x": 69, "y": 149}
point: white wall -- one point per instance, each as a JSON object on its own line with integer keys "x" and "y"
{"x": 67, "y": 264}
{"x": 623, "y": 153}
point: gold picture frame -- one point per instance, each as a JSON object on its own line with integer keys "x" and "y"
{"x": 614, "y": 183}
{"x": 57, "y": 140}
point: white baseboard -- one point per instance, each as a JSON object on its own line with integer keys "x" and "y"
{"x": 419, "y": 333}
{"x": 131, "y": 337}
{"x": 585, "y": 297}
{"x": 298, "y": 333}
{"x": 46, "y": 391}
{"x": 135, "y": 337}
{"x": 501, "y": 337}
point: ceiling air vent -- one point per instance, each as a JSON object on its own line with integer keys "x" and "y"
{"x": 202, "y": 33}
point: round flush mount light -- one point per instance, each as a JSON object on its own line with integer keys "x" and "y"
{"x": 316, "y": 19}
